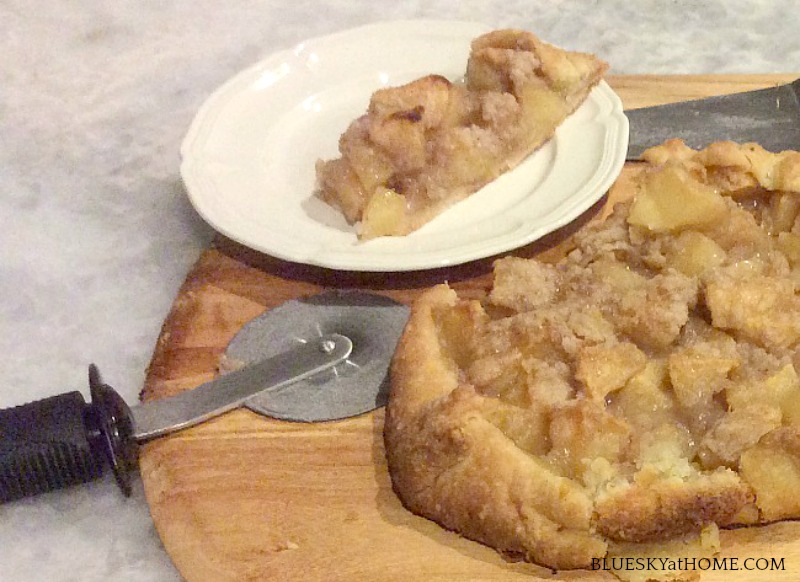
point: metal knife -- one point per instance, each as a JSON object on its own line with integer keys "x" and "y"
{"x": 770, "y": 117}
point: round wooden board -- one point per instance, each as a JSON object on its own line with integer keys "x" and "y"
{"x": 244, "y": 497}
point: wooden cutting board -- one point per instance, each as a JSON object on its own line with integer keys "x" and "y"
{"x": 244, "y": 497}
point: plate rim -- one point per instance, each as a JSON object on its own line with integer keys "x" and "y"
{"x": 605, "y": 172}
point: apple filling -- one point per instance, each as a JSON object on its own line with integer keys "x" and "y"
{"x": 642, "y": 389}
{"x": 426, "y": 145}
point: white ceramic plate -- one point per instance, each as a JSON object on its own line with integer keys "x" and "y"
{"x": 248, "y": 159}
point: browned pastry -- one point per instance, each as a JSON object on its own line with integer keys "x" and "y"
{"x": 642, "y": 389}
{"x": 424, "y": 146}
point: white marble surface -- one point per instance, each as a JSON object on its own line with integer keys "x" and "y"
{"x": 96, "y": 233}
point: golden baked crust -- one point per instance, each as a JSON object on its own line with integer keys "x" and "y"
{"x": 642, "y": 389}
{"x": 423, "y": 146}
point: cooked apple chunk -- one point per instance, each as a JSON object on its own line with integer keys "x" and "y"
{"x": 672, "y": 200}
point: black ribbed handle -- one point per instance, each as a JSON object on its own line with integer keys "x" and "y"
{"x": 44, "y": 445}
{"x": 62, "y": 441}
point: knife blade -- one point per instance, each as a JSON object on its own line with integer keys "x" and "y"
{"x": 769, "y": 117}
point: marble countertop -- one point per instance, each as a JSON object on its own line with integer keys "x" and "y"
{"x": 96, "y": 231}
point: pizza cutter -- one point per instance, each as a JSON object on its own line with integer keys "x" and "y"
{"x": 320, "y": 358}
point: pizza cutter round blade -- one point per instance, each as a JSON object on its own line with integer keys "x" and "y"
{"x": 360, "y": 384}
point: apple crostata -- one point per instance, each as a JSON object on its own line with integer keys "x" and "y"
{"x": 426, "y": 145}
{"x": 642, "y": 388}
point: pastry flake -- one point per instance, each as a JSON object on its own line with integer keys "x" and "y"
{"x": 426, "y": 145}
